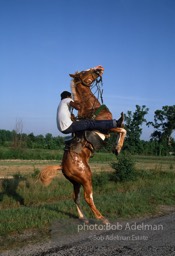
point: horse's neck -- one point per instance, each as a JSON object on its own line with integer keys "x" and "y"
{"x": 88, "y": 101}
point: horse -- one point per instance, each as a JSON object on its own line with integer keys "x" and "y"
{"x": 75, "y": 162}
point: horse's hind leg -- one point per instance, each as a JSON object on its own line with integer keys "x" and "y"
{"x": 88, "y": 195}
{"x": 120, "y": 139}
{"x": 77, "y": 200}
{"x": 121, "y": 134}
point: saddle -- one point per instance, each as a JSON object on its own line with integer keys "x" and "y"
{"x": 80, "y": 140}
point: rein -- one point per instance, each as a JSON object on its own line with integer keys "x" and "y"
{"x": 99, "y": 91}
{"x": 98, "y": 83}
{"x": 99, "y": 88}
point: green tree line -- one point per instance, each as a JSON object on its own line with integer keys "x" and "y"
{"x": 21, "y": 140}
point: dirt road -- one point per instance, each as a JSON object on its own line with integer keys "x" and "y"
{"x": 153, "y": 237}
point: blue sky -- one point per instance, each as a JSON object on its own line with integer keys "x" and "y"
{"x": 42, "y": 41}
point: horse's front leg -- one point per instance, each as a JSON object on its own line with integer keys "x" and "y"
{"x": 77, "y": 201}
{"x": 88, "y": 195}
{"x": 120, "y": 138}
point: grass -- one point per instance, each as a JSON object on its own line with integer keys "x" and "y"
{"x": 26, "y": 204}
{"x": 26, "y": 153}
{"x": 100, "y": 162}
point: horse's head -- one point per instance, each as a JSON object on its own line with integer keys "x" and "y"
{"x": 88, "y": 76}
{"x": 81, "y": 90}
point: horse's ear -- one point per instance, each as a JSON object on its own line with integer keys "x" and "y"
{"x": 72, "y": 75}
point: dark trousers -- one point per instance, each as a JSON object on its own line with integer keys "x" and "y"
{"x": 88, "y": 124}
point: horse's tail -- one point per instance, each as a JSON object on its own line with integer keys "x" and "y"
{"x": 48, "y": 173}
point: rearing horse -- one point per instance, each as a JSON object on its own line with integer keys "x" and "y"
{"x": 75, "y": 165}
{"x": 90, "y": 106}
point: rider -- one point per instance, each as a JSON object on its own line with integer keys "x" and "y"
{"x": 65, "y": 123}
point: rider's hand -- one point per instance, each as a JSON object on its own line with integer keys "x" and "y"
{"x": 75, "y": 104}
{"x": 73, "y": 117}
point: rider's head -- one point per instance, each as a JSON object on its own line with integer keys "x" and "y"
{"x": 65, "y": 95}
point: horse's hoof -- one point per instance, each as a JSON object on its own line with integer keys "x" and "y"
{"x": 116, "y": 152}
{"x": 105, "y": 221}
{"x": 118, "y": 149}
{"x": 120, "y": 120}
{"x": 84, "y": 220}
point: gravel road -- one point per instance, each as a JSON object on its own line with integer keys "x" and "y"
{"x": 144, "y": 237}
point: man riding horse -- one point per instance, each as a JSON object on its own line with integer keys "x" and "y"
{"x": 91, "y": 116}
{"x": 66, "y": 125}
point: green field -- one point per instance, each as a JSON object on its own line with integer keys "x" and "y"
{"x": 27, "y": 205}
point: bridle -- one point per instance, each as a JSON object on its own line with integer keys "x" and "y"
{"x": 92, "y": 71}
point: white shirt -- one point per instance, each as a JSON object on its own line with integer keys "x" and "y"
{"x": 64, "y": 114}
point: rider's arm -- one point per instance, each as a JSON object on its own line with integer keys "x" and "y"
{"x": 75, "y": 104}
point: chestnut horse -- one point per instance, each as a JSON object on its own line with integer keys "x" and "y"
{"x": 75, "y": 165}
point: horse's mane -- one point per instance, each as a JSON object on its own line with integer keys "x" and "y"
{"x": 73, "y": 90}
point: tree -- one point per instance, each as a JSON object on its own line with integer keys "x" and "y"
{"x": 40, "y": 141}
{"x": 5, "y": 136}
{"x": 49, "y": 141}
{"x": 133, "y": 124}
{"x": 17, "y": 135}
{"x": 31, "y": 140}
{"x": 164, "y": 125}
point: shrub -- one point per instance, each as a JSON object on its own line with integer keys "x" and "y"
{"x": 100, "y": 179}
{"x": 124, "y": 168}
{"x": 35, "y": 173}
{"x": 171, "y": 167}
